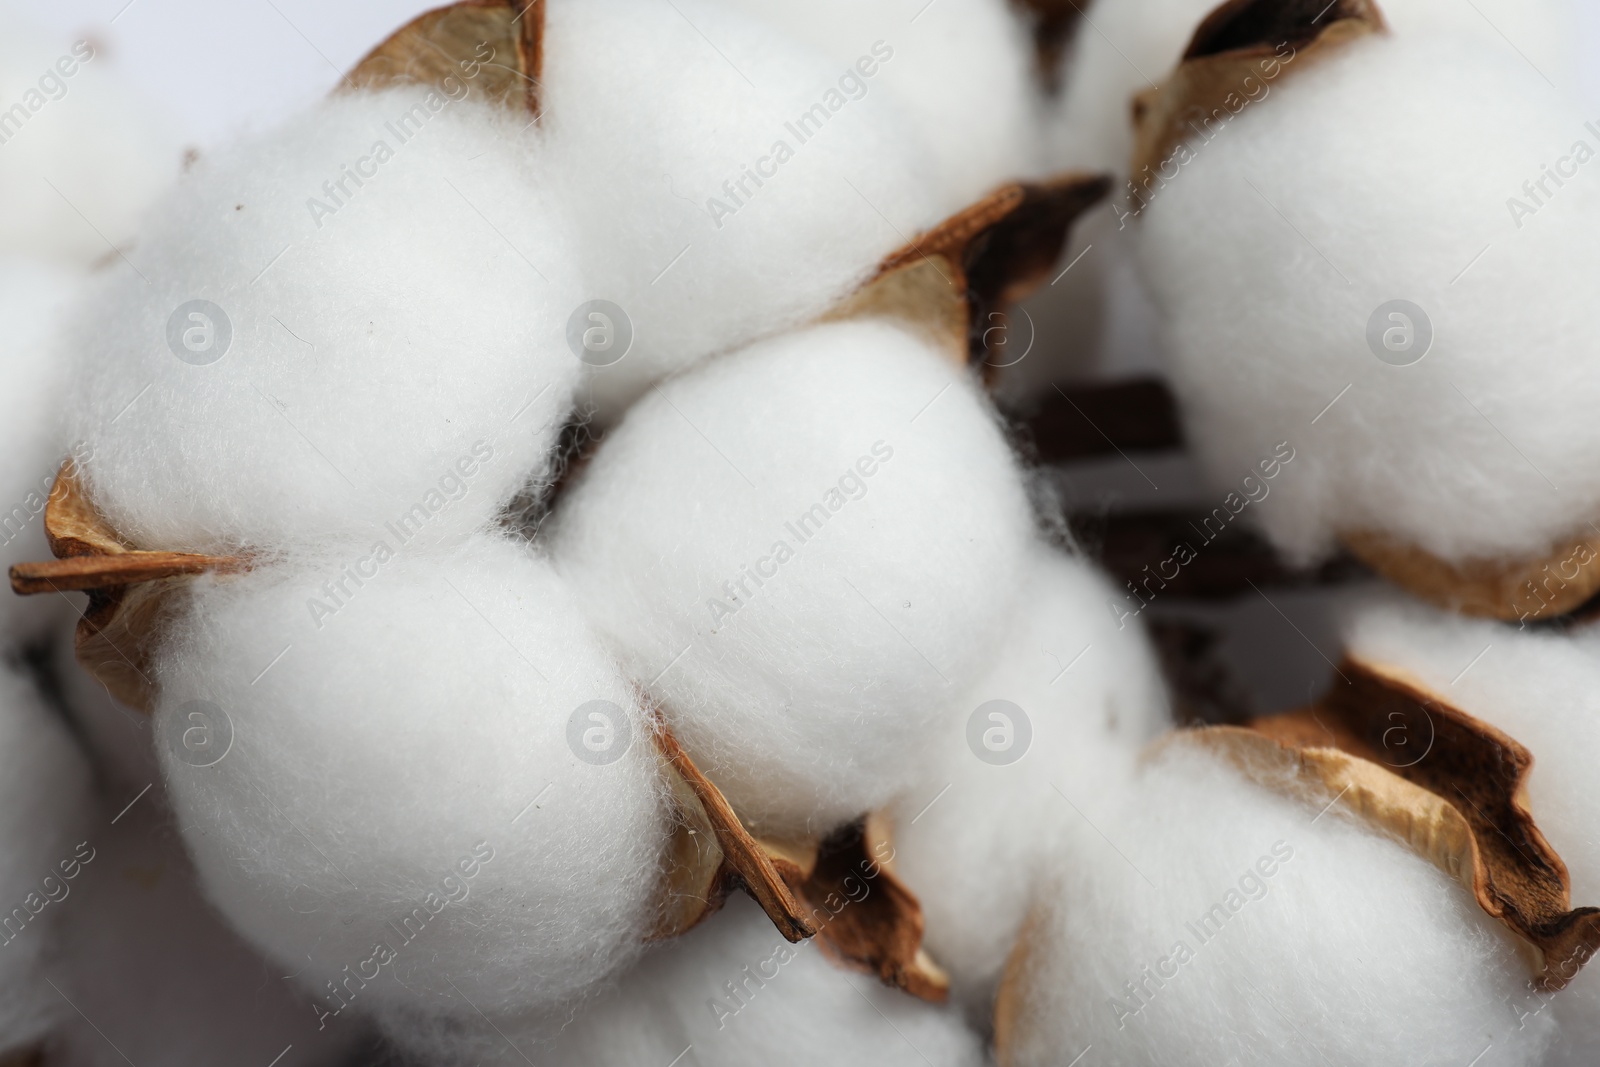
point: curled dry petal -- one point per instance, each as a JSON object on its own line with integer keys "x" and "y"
{"x": 1055, "y": 23}
{"x": 128, "y": 588}
{"x": 1238, "y": 46}
{"x": 842, "y": 891}
{"x": 1451, "y": 786}
{"x": 1542, "y": 587}
{"x": 704, "y": 871}
{"x": 492, "y": 46}
{"x": 952, "y": 280}
{"x": 866, "y": 918}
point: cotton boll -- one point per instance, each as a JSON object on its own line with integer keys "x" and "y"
{"x": 805, "y": 550}
{"x": 385, "y": 349}
{"x": 413, "y": 788}
{"x": 963, "y": 72}
{"x": 44, "y": 808}
{"x": 669, "y": 119}
{"x": 1239, "y": 927}
{"x": 1541, "y": 688}
{"x": 1125, "y": 47}
{"x": 1086, "y": 697}
{"x": 163, "y": 978}
{"x": 729, "y": 993}
{"x": 85, "y": 152}
{"x": 1381, "y": 175}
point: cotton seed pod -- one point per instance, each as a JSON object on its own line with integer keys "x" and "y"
{"x": 1239, "y": 925}
{"x": 1135, "y": 44}
{"x": 1377, "y": 335}
{"x": 1538, "y": 686}
{"x": 1053, "y": 728}
{"x": 442, "y": 784}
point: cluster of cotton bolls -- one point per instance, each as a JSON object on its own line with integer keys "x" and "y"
{"x": 408, "y": 740}
{"x": 516, "y": 446}
{"x": 1190, "y": 910}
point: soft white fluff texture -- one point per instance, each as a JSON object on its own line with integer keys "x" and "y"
{"x": 967, "y": 835}
{"x": 1543, "y": 689}
{"x": 649, "y": 108}
{"x": 32, "y": 295}
{"x": 44, "y": 812}
{"x": 803, "y": 696}
{"x": 104, "y": 147}
{"x": 164, "y": 979}
{"x": 377, "y": 340}
{"x": 1378, "y": 176}
{"x": 793, "y": 1008}
{"x": 1124, "y": 47}
{"x": 964, "y": 72}
{"x": 1121, "y": 48}
{"x": 413, "y": 753}
{"x": 1328, "y": 943}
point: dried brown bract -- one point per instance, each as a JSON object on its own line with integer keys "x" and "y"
{"x": 1453, "y": 788}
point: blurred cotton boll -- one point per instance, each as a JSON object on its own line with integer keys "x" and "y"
{"x": 82, "y": 152}
{"x": 45, "y": 804}
{"x": 1051, "y": 732}
{"x": 729, "y": 993}
{"x": 443, "y": 794}
{"x": 163, "y": 978}
{"x": 33, "y": 441}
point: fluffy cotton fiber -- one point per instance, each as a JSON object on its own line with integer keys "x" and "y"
{"x": 1384, "y": 175}
{"x": 1239, "y": 927}
{"x": 44, "y": 810}
{"x": 732, "y": 992}
{"x": 967, "y": 835}
{"x": 805, "y": 551}
{"x": 415, "y": 806}
{"x": 1543, "y": 689}
{"x": 706, "y": 218}
{"x": 32, "y": 295}
{"x": 165, "y": 981}
{"x": 397, "y": 288}
{"x": 964, "y": 73}
{"x": 83, "y": 152}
